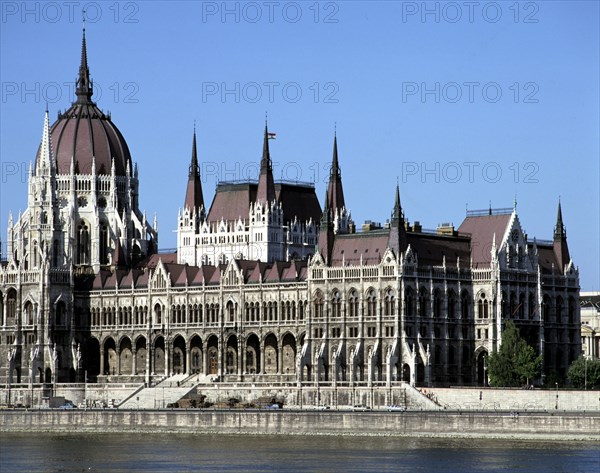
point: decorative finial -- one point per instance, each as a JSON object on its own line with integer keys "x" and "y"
{"x": 515, "y": 201}
{"x": 266, "y": 118}
{"x": 334, "y": 128}
{"x": 83, "y": 18}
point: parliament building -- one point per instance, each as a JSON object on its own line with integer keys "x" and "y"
{"x": 267, "y": 283}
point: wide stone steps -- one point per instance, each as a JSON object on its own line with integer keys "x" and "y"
{"x": 155, "y": 398}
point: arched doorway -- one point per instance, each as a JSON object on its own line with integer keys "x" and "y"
{"x": 110, "y": 357}
{"x": 252, "y": 354}
{"x": 159, "y": 355}
{"x": 196, "y": 354}
{"x": 125, "y": 356}
{"x": 289, "y": 354}
{"x": 231, "y": 355}
{"x": 140, "y": 355}
{"x": 271, "y": 354}
{"x": 213, "y": 355}
{"x": 179, "y": 355}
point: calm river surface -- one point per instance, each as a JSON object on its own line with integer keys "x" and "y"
{"x": 228, "y": 453}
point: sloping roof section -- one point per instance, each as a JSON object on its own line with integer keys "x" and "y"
{"x": 547, "y": 258}
{"x": 431, "y": 249}
{"x": 348, "y": 249}
{"x": 482, "y": 229}
{"x": 232, "y": 201}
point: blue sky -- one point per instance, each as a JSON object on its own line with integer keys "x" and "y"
{"x": 463, "y": 105}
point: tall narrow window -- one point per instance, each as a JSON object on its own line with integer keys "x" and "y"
{"x": 83, "y": 244}
{"x": 34, "y": 255}
{"x": 103, "y": 243}
{"x": 55, "y": 255}
{"x": 389, "y": 302}
{"x": 336, "y": 305}
{"x": 371, "y": 304}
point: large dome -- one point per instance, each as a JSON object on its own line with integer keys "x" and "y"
{"x": 84, "y": 133}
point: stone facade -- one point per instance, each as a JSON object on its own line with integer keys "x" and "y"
{"x": 265, "y": 285}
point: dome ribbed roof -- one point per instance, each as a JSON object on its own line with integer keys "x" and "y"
{"x": 84, "y": 133}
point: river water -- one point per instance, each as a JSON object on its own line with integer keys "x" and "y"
{"x": 247, "y": 453}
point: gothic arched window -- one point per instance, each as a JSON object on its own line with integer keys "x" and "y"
{"x": 83, "y": 244}
{"x": 103, "y": 243}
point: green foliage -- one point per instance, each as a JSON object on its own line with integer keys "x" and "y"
{"x": 577, "y": 373}
{"x": 515, "y": 363}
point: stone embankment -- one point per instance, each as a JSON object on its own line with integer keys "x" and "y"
{"x": 556, "y": 426}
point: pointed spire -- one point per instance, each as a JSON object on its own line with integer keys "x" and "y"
{"x": 194, "y": 170}
{"x": 326, "y": 216}
{"x": 266, "y": 183}
{"x": 46, "y": 155}
{"x": 397, "y": 214}
{"x": 325, "y": 242}
{"x": 194, "y": 200}
{"x": 84, "y": 87}
{"x": 335, "y": 191}
{"x": 559, "y": 229}
{"x": 561, "y": 249}
{"x": 397, "y": 237}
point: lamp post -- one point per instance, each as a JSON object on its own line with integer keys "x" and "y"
{"x": 585, "y": 372}
{"x": 85, "y": 390}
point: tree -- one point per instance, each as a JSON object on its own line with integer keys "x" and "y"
{"x": 579, "y": 373}
{"x": 515, "y": 363}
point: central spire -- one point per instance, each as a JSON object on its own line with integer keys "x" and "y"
{"x": 84, "y": 87}
{"x": 266, "y": 183}
{"x": 397, "y": 214}
{"x": 335, "y": 191}
{"x": 559, "y": 229}
{"x": 194, "y": 200}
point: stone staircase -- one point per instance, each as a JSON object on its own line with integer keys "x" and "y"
{"x": 160, "y": 396}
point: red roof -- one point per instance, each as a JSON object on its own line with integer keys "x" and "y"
{"x": 482, "y": 230}
{"x": 431, "y": 249}
{"x": 232, "y": 201}
{"x": 84, "y": 131}
{"x": 349, "y": 248}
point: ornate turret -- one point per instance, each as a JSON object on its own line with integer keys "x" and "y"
{"x": 266, "y": 183}
{"x": 561, "y": 249}
{"x": 84, "y": 86}
{"x": 335, "y": 191}
{"x": 397, "y": 240}
{"x": 194, "y": 201}
{"x": 326, "y": 234}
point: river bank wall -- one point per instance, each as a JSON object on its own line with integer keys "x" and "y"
{"x": 555, "y": 426}
{"x": 478, "y": 399}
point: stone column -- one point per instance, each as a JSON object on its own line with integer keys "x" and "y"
{"x": 167, "y": 357}
{"x": 204, "y": 352}
{"x": 188, "y": 359}
{"x": 102, "y": 360}
{"x": 149, "y": 364}
{"x": 134, "y": 360}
